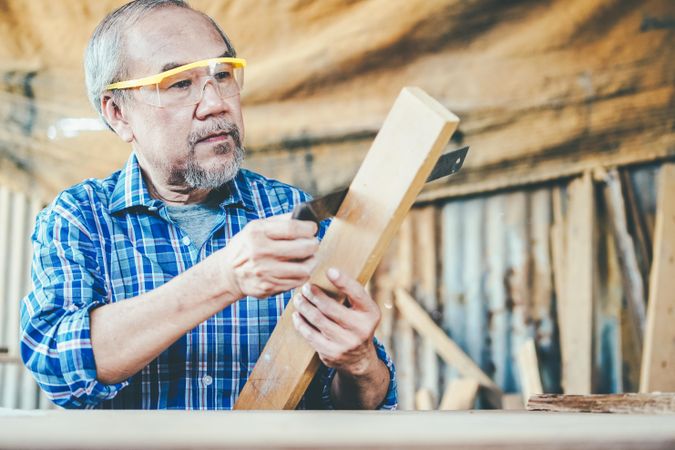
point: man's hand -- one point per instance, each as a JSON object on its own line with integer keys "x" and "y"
{"x": 269, "y": 256}
{"x": 343, "y": 338}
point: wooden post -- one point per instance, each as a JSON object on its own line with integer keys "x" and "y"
{"x": 658, "y": 354}
{"x": 577, "y": 319}
{"x": 392, "y": 175}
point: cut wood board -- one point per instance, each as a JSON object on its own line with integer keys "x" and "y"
{"x": 576, "y": 320}
{"x": 528, "y": 370}
{"x": 605, "y": 403}
{"x": 392, "y": 175}
{"x": 460, "y": 395}
{"x": 658, "y": 354}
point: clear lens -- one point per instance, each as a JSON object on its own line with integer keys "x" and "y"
{"x": 186, "y": 87}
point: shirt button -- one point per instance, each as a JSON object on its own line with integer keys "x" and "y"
{"x": 207, "y": 380}
{"x": 186, "y": 240}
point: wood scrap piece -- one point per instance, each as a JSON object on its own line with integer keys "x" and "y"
{"x": 513, "y": 402}
{"x": 605, "y": 403}
{"x": 576, "y": 322}
{"x": 658, "y": 354}
{"x": 401, "y": 158}
{"x": 424, "y": 400}
{"x": 460, "y": 395}
{"x": 450, "y": 352}
{"x": 528, "y": 369}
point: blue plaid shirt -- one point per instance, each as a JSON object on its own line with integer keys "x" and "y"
{"x": 104, "y": 241}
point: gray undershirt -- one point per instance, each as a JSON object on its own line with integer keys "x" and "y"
{"x": 196, "y": 220}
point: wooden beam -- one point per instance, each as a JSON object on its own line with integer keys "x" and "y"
{"x": 658, "y": 354}
{"x": 577, "y": 319}
{"x": 528, "y": 369}
{"x": 460, "y": 395}
{"x": 605, "y": 403}
{"x": 385, "y": 187}
{"x": 450, "y": 352}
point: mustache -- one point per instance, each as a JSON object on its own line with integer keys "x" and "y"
{"x": 215, "y": 126}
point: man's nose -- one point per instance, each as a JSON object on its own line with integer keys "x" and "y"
{"x": 211, "y": 101}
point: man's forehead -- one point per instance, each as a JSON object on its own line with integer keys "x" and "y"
{"x": 171, "y": 38}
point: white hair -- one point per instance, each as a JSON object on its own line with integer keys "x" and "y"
{"x": 104, "y": 59}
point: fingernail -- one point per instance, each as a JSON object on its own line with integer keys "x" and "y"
{"x": 296, "y": 301}
{"x": 332, "y": 273}
{"x": 306, "y": 290}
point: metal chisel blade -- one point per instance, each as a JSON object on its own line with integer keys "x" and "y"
{"x": 324, "y": 207}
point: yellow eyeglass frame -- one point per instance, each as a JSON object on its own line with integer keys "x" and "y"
{"x": 156, "y": 79}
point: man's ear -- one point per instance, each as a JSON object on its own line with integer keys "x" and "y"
{"x": 114, "y": 115}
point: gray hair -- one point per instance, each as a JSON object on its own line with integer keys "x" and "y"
{"x": 104, "y": 59}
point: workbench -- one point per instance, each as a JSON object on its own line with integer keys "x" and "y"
{"x": 333, "y": 429}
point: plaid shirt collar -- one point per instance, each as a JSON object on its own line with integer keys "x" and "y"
{"x": 131, "y": 190}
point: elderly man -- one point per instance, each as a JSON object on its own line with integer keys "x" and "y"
{"x": 158, "y": 286}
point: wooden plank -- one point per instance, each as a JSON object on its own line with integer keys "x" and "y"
{"x": 605, "y": 403}
{"x": 658, "y": 354}
{"x": 451, "y": 353}
{"x": 385, "y": 187}
{"x": 609, "y": 354}
{"x": 528, "y": 369}
{"x": 460, "y": 395}
{"x": 577, "y": 324}
{"x": 426, "y": 276}
{"x": 639, "y": 224}
{"x": 631, "y": 276}
{"x": 404, "y": 337}
{"x": 513, "y": 402}
{"x": 424, "y": 400}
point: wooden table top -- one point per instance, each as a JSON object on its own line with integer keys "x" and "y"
{"x": 333, "y": 429}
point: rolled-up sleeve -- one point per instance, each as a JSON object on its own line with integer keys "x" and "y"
{"x": 55, "y": 329}
{"x": 390, "y": 401}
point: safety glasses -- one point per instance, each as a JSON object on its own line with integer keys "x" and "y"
{"x": 184, "y": 85}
